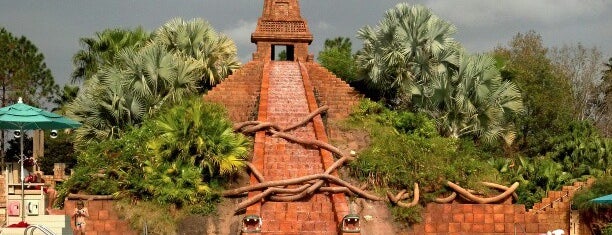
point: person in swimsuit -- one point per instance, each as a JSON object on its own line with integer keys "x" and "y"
{"x": 49, "y": 190}
{"x": 80, "y": 214}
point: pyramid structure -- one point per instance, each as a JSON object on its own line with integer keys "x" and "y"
{"x": 284, "y": 92}
{"x": 281, "y": 24}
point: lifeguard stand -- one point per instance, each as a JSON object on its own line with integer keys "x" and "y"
{"x": 34, "y": 203}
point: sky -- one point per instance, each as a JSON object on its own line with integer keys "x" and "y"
{"x": 55, "y": 26}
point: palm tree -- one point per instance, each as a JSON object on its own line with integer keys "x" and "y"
{"x": 200, "y": 134}
{"x": 102, "y": 49}
{"x": 408, "y": 47}
{"x": 142, "y": 79}
{"x": 123, "y": 94}
{"x": 68, "y": 94}
{"x": 471, "y": 100}
{"x": 197, "y": 40}
{"x": 341, "y": 43}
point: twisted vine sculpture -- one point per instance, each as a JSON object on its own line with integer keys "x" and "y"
{"x": 307, "y": 185}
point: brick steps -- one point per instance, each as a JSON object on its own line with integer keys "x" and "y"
{"x": 551, "y": 213}
{"x": 558, "y": 201}
{"x": 332, "y": 91}
{"x": 286, "y": 99}
{"x": 239, "y": 92}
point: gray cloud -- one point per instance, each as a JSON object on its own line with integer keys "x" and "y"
{"x": 55, "y": 26}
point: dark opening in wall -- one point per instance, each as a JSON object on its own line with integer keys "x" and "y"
{"x": 283, "y": 53}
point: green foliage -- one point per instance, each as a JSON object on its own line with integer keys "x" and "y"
{"x": 13, "y": 147}
{"x": 181, "y": 59}
{"x": 215, "y": 54}
{"x": 607, "y": 230}
{"x": 397, "y": 158}
{"x": 174, "y": 183}
{"x": 159, "y": 219}
{"x": 582, "y": 199}
{"x": 407, "y": 216}
{"x": 282, "y": 56}
{"x": 178, "y": 158}
{"x": 536, "y": 176}
{"x": 579, "y": 153}
{"x": 413, "y": 60}
{"x": 68, "y": 94}
{"x": 337, "y": 57}
{"x": 58, "y": 150}
{"x": 471, "y": 100}
{"x": 582, "y": 151}
{"x": 110, "y": 166}
{"x": 543, "y": 89}
{"x": 407, "y": 47}
{"x": 198, "y": 133}
{"x": 103, "y": 50}
{"x": 597, "y": 216}
{"x": 23, "y": 72}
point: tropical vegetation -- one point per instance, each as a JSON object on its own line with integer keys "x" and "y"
{"x": 519, "y": 113}
{"x": 23, "y": 73}
{"x": 413, "y": 59}
{"x": 337, "y": 56}
{"x": 131, "y": 76}
{"x": 179, "y": 159}
{"x": 596, "y": 215}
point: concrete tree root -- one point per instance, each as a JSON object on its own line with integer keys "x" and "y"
{"x": 298, "y": 188}
{"x": 480, "y": 200}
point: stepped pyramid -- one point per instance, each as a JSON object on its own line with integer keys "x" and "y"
{"x": 283, "y": 93}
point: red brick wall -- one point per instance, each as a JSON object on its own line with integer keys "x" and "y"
{"x": 552, "y": 213}
{"x": 332, "y": 91}
{"x": 103, "y": 219}
{"x": 239, "y": 92}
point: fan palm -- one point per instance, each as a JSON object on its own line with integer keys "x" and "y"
{"x": 200, "y": 134}
{"x": 103, "y": 48}
{"x": 197, "y": 40}
{"x": 136, "y": 86}
{"x": 409, "y": 46}
{"x": 341, "y": 43}
{"x": 471, "y": 100}
{"x": 176, "y": 182}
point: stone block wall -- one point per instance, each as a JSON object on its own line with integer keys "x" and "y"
{"x": 239, "y": 93}
{"x": 103, "y": 219}
{"x": 505, "y": 219}
{"x": 332, "y": 91}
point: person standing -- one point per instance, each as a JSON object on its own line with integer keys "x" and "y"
{"x": 80, "y": 214}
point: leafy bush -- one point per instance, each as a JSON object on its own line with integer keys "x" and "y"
{"x": 536, "y": 177}
{"x": 598, "y": 216}
{"x": 582, "y": 151}
{"x": 177, "y": 160}
{"x": 409, "y": 216}
{"x": 59, "y": 150}
{"x": 607, "y": 230}
{"x": 111, "y": 166}
{"x": 405, "y": 150}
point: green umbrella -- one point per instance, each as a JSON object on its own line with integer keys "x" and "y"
{"x": 22, "y": 117}
{"x": 603, "y": 200}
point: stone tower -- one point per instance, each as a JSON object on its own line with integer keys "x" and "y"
{"x": 282, "y": 26}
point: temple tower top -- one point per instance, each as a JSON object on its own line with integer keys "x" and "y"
{"x": 281, "y": 24}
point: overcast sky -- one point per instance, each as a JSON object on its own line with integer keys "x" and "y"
{"x": 55, "y": 26}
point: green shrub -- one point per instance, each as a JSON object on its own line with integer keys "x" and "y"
{"x": 399, "y": 156}
{"x": 408, "y": 216}
{"x": 607, "y": 230}
{"x": 597, "y": 215}
{"x": 176, "y": 159}
{"x": 582, "y": 151}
